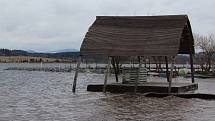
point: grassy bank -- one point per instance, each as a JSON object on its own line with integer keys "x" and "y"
{"x": 22, "y": 59}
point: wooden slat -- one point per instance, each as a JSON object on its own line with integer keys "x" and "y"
{"x": 132, "y": 74}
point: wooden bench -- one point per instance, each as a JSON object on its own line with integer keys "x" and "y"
{"x": 130, "y": 75}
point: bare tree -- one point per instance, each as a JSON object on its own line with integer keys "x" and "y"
{"x": 207, "y": 45}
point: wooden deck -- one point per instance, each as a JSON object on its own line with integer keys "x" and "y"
{"x": 158, "y": 87}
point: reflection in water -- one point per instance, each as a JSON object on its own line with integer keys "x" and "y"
{"x": 48, "y": 96}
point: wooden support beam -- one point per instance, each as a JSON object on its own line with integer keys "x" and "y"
{"x": 192, "y": 69}
{"x": 106, "y": 74}
{"x": 159, "y": 64}
{"x": 76, "y": 74}
{"x": 149, "y": 64}
{"x": 115, "y": 69}
{"x": 117, "y": 59}
{"x": 145, "y": 62}
{"x": 138, "y": 74}
{"x": 167, "y": 68}
{"x": 171, "y": 74}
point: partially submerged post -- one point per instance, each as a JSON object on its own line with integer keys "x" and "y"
{"x": 138, "y": 74}
{"x": 167, "y": 68}
{"x": 115, "y": 68}
{"x": 171, "y": 74}
{"x": 148, "y": 36}
{"x": 106, "y": 74}
{"x": 192, "y": 69}
{"x": 76, "y": 74}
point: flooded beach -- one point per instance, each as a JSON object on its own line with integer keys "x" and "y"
{"x": 39, "y": 96}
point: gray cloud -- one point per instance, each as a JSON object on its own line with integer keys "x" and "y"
{"x": 44, "y": 25}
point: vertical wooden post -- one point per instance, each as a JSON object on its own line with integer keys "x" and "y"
{"x": 192, "y": 69}
{"x": 117, "y": 59}
{"x": 149, "y": 64}
{"x": 106, "y": 74}
{"x": 115, "y": 69}
{"x": 145, "y": 62}
{"x": 76, "y": 75}
{"x": 171, "y": 74}
{"x": 159, "y": 64}
{"x": 138, "y": 74}
{"x": 167, "y": 68}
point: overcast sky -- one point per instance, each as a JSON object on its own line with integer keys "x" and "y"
{"x": 46, "y": 25}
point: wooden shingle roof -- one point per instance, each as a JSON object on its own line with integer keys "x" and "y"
{"x": 139, "y": 36}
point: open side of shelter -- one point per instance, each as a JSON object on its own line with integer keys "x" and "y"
{"x": 139, "y": 36}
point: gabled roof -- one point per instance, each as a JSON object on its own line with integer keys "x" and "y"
{"x": 139, "y": 36}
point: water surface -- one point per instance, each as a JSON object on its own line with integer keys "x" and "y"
{"x": 38, "y": 96}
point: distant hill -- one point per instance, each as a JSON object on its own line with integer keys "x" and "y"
{"x": 64, "y": 50}
{"x": 7, "y": 52}
{"x": 31, "y": 51}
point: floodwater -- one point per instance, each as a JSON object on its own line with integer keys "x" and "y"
{"x": 47, "y": 96}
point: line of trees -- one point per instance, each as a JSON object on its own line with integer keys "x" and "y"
{"x": 207, "y": 45}
{"x": 61, "y": 55}
{"x": 7, "y": 52}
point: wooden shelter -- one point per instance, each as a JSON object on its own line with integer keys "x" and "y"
{"x": 140, "y": 36}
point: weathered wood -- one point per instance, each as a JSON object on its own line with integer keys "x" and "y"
{"x": 159, "y": 87}
{"x": 171, "y": 74}
{"x": 117, "y": 64}
{"x": 106, "y": 74}
{"x": 138, "y": 74}
{"x": 145, "y": 63}
{"x": 167, "y": 68}
{"x": 138, "y": 35}
{"x": 130, "y": 75}
{"x": 115, "y": 68}
{"x": 76, "y": 75}
{"x": 149, "y": 63}
{"x": 192, "y": 69}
